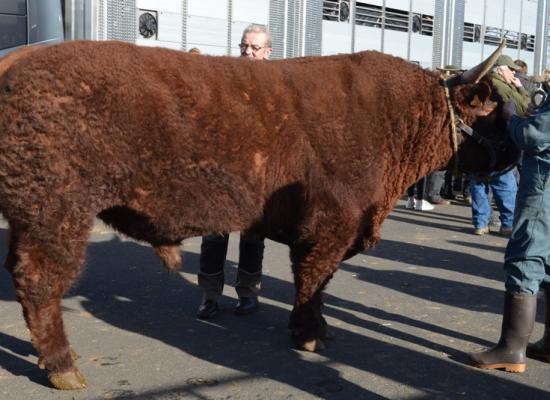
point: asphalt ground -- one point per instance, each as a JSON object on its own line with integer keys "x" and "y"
{"x": 405, "y": 315}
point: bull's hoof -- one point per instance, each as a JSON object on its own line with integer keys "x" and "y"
{"x": 70, "y": 380}
{"x": 42, "y": 364}
{"x": 312, "y": 345}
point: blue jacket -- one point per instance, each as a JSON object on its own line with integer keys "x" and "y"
{"x": 532, "y": 135}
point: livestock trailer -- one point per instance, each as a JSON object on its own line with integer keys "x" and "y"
{"x": 431, "y": 33}
{"x": 24, "y": 22}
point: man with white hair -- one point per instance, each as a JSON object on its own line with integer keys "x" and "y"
{"x": 255, "y": 45}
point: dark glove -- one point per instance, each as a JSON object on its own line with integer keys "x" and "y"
{"x": 508, "y": 110}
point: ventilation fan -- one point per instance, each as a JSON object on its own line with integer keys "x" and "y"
{"x": 147, "y": 24}
{"x": 344, "y": 11}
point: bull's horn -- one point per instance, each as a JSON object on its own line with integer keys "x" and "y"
{"x": 473, "y": 75}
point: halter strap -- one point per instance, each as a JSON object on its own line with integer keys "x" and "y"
{"x": 454, "y": 130}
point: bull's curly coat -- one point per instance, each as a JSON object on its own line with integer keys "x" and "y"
{"x": 165, "y": 145}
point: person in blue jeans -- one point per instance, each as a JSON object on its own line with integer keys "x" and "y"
{"x": 504, "y": 188}
{"x": 527, "y": 257}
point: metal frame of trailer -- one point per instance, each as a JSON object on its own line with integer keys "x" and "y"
{"x": 430, "y": 32}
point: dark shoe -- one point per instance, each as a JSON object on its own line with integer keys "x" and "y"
{"x": 208, "y": 309}
{"x": 518, "y": 319}
{"x": 448, "y": 194}
{"x": 541, "y": 349}
{"x": 246, "y": 305}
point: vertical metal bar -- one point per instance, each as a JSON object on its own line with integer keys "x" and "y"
{"x": 229, "y": 25}
{"x": 458, "y": 32}
{"x": 285, "y": 28}
{"x": 93, "y": 20}
{"x": 409, "y": 30}
{"x": 278, "y": 25}
{"x": 313, "y": 28}
{"x": 303, "y": 28}
{"x": 520, "y": 28}
{"x": 69, "y": 12}
{"x": 353, "y": 11}
{"x": 438, "y": 33}
{"x": 502, "y": 21}
{"x": 446, "y": 32}
{"x": 383, "y": 26}
{"x": 541, "y": 37}
{"x": 184, "y": 25}
{"x": 483, "y": 30}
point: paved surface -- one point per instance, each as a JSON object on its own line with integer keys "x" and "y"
{"x": 405, "y": 313}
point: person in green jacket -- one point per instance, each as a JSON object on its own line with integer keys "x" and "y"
{"x": 508, "y": 85}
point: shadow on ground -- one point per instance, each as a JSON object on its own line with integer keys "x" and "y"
{"x": 162, "y": 307}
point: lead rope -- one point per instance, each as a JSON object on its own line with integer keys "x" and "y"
{"x": 454, "y": 132}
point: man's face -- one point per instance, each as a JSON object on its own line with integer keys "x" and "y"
{"x": 254, "y": 46}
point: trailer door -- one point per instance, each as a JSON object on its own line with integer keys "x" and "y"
{"x": 13, "y": 24}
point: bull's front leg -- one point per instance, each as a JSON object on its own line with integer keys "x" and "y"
{"x": 313, "y": 265}
{"x": 42, "y": 273}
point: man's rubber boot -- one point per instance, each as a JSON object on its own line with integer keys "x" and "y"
{"x": 541, "y": 349}
{"x": 518, "y": 319}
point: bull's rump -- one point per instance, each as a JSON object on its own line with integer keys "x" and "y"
{"x": 94, "y": 123}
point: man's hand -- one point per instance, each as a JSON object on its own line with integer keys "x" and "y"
{"x": 508, "y": 75}
{"x": 508, "y": 110}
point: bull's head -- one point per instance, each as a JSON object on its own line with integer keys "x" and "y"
{"x": 485, "y": 145}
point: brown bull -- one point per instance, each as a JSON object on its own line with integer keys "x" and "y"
{"x": 164, "y": 146}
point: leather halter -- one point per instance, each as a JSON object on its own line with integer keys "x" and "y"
{"x": 487, "y": 144}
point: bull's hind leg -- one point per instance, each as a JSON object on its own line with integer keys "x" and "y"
{"x": 313, "y": 263}
{"x": 43, "y": 263}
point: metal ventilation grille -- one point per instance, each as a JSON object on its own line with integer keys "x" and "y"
{"x": 122, "y": 20}
{"x": 101, "y": 20}
{"x": 337, "y": 10}
{"x": 295, "y": 14}
{"x": 375, "y": 16}
{"x": 184, "y": 25}
{"x": 437, "y": 51}
{"x": 368, "y": 15}
{"x": 474, "y": 33}
{"x": 277, "y": 27}
{"x": 397, "y": 20}
{"x": 331, "y": 10}
{"x": 314, "y": 28}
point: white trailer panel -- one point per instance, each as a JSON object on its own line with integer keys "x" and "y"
{"x": 474, "y": 11}
{"x": 396, "y": 43}
{"x": 251, "y": 10}
{"x": 423, "y": 6}
{"x": 421, "y": 50}
{"x": 207, "y": 33}
{"x": 336, "y": 37}
{"x": 171, "y": 6}
{"x": 367, "y": 38}
{"x": 495, "y": 13}
{"x": 208, "y": 8}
